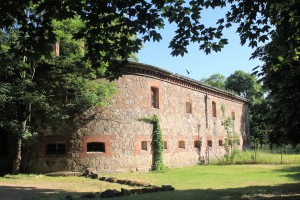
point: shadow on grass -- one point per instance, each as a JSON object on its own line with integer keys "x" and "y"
{"x": 21, "y": 193}
{"x": 294, "y": 172}
{"x": 280, "y": 192}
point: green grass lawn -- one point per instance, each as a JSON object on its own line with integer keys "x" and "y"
{"x": 198, "y": 182}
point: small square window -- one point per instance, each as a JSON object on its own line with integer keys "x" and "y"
{"x": 197, "y": 144}
{"x": 144, "y": 145}
{"x": 209, "y": 143}
{"x": 220, "y": 143}
{"x": 181, "y": 144}
{"x": 165, "y": 145}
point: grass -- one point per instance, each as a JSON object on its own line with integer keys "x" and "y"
{"x": 198, "y": 182}
{"x": 262, "y": 157}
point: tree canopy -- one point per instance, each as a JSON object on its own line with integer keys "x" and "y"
{"x": 43, "y": 87}
{"x": 245, "y": 85}
{"x": 215, "y": 80}
{"x": 108, "y": 32}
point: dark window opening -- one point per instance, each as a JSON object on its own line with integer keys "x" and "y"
{"x": 56, "y": 148}
{"x": 70, "y": 95}
{"x": 96, "y": 147}
{"x": 197, "y": 144}
{"x": 154, "y": 97}
{"x": 144, "y": 145}
{"x": 220, "y": 143}
{"x": 232, "y": 115}
{"x": 209, "y": 143}
{"x": 188, "y": 107}
{"x": 238, "y": 142}
{"x": 165, "y": 145}
{"x": 181, "y": 144}
{"x": 214, "y": 109}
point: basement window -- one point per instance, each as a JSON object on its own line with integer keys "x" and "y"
{"x": 144, "y": 145}
{"x": 56, "y": 148}
{"x": 209, "y": 143}
{"x": 197, "y": 144}
{"x": 221, "y": 143}
{"x": 181, "y": 144}
{"x": 96, "y": 147}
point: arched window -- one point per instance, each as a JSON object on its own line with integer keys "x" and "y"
{"x": 214, "y": 109}
{"x": 232, "y": 115}
{"x": 188, "y": 107}
{"x": 56, "y": 148}
{"x": 154, "y": 97}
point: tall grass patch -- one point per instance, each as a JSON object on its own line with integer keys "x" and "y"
{"x": 262, "y": 157}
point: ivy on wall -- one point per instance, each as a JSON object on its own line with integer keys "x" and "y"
{"x": 157, "y": 144}
{"x": 231, "y": 140}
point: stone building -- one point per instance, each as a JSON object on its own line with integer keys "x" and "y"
{"x": 114, "y": 139}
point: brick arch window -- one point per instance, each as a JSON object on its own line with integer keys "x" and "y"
{"x": 188, "y": 107}
{"x": 55, "y": 148}
{"x": 232, "y": 115}
{"x": 95, "y": 147}
{"x": 154, "y": 97}
{"x": 181, "y": 144}
{"x": 214, "y": 109}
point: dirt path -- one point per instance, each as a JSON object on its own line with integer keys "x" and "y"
{"x": 21, "y": 192}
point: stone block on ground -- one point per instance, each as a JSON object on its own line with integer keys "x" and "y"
{"x": 125, "y": 192}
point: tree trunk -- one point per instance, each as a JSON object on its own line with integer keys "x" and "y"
{"x": 17, "y": 160}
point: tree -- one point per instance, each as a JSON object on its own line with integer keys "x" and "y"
{"x": 248, "y": 86}
{"x": 215, "y": 80}
{"x": 281, "y": 72}
{"x": 258, "y": 21}
{"x": 52, "y": 87}
{"x": 245, "y": 85}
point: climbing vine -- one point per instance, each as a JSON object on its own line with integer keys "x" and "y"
{"x": 157, "y": 144}
{"x": 231, "y": 139}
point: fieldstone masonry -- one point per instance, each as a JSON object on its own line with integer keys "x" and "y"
{"x": 119, "y": 128}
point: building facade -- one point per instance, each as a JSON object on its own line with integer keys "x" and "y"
{"x": 115, "y": 139}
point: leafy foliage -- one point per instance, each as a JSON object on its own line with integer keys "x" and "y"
{"x": 215, "y": 80}
{"x": 231, "y": 140}
{"x": 245, "y": 85}
{"x": 38, "y": 86}
{"x": 157, "y": 144}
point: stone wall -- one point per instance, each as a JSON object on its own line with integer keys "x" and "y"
{"x": 118, "y": 127}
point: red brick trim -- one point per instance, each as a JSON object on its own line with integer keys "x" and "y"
{"x": 138, "y": 147}
{"x": 155, "y": 84}
{"x": 106, "y": 139}
{"x": 166, "y": 138}
{"x": 179, "y": 138}
{"x": 209, "y": 137}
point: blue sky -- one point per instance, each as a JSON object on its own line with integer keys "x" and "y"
{"x": 233, "y": 56}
